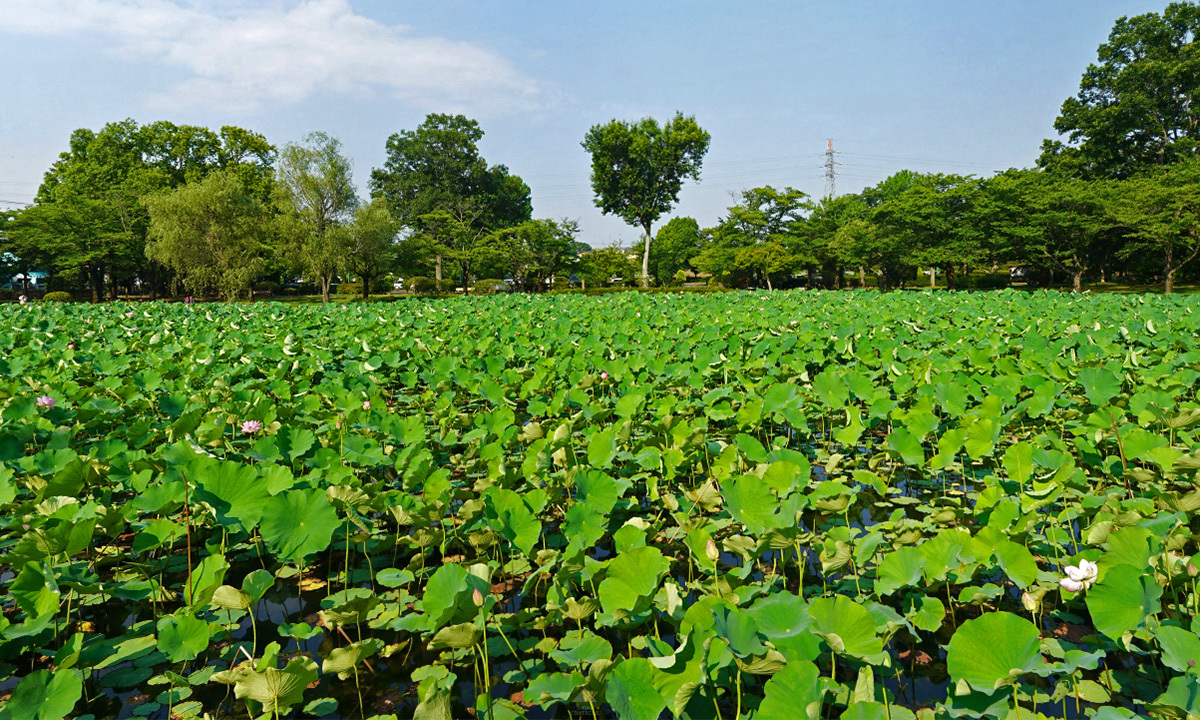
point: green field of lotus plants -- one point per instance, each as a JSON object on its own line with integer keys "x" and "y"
{"x": 771, "y": 506}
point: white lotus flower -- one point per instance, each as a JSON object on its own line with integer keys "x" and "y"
{"x": 1079, "y": 578}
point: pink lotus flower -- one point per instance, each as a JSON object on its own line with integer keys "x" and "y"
{"x": 477, "y": 598}
{"x": 251, "y": 426}
{"x": 1079, "y": 578}
{"x": 603, "y": 376}
{"x": 366, "y": 404}
{"x": 70, "y": 346}
{"x": 45, "y": 401}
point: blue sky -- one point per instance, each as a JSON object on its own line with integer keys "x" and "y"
{"x": 966, "y": 87}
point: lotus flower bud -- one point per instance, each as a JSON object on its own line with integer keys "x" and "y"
{"x": 1193, "y": 570}
{"x": 1029, "y": 602}
{"x": 477, "y": 598}
{"x": 711, "y": 551}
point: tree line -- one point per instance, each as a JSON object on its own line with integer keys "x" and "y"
{"x": 169, "y": 208}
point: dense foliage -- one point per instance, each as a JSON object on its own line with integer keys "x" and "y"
{"x": 791, "y": 504}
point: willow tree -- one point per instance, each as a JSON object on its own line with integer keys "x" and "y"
{"x": 315, "y": 187}
{"x": 213, "y": 234}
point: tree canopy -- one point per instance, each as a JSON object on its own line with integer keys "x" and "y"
{"x": 1139, "y": 104}
{"x": 638, "y": 169}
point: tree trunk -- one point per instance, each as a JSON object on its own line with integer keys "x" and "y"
{"x": 646, "y": 261}
{"x": 437, "y": 272}
{"x": 1077, "y": 281}
{"x": 1169, "y": 286}
{"x": 862, "y": 277}
{"x": 325, "y": 282}
{"x": 767, "y": 275}
{"x": 932, "y": 276}
{"x": 466, "y": 288}
{"x": 94, "y": 280}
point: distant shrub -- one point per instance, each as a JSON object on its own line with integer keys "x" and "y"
{"x": 57, "y": 296}
{"x": 995, "y": 281}
{"x": 267, "y": 287}
{"x": 490, "y": 287}
{"x": 680, "y": 277}
{"x": 350, "y": 289}
{"x": 446, "y": 285}
{"x": 421, "y": 285}
{"x": 6, "y": 294}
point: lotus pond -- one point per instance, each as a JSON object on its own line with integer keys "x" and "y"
{"x": 770, "y": 506}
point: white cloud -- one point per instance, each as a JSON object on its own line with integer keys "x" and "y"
{"x": 244, "y": 57}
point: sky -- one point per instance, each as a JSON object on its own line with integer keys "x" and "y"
{"x": 934, "y": 86}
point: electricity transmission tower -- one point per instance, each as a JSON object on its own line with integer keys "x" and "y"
{"x": 830, "y": 173}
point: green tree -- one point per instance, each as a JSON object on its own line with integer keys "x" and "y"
{"x": 368, "y": 243}
{"x": 935, "y": 219}
{"x": 674, "y": 246}
{"x": 437, "y": 166}
{"x": 1139, "y": 104}
{"x": 762, "y": 228}
{"x": 90, "y": 223}
{"x": 212, "y": 234}
{"x": 315, "y": 189}
{"x": 598, "y": 267}
{"x": 534, "y": 251}
{"x": 823, "y": 225}
{"x": 1049, "y": 220}
{"x": 639, "y": 167}
{"x": 1160, "y": 212}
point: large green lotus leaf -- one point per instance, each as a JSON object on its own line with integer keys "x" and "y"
{"x": 845, "y": 626}
{"x": 344, "y": 660}
{"x": 780, "y": 615}
{"x": 1123, "y": 600}
{"x": 907, "y": 446}
{"x": 751, "y": 503}
{"x": 1099, "y": 384}
{"x": 443, "y": 592}
{"x": 597, "y": 490}
{"x": 298, "y": 523}
{"x": 677, "y": 676}
{"x": 43, "y": 695}
{"x": 1182, "y": 698}
{"x": 631, "y": 576}
{"x": 1018, "y": 461}
{"x": 182, "y": 637}
{"x": 876, "y": 711}
{"x": 1017, "y": 562}
{"x": 34, "y": 590}
{"x": 233, "y": 491}
{"x": 993, "y": 650}
{"x": 206, "y": 577}
{"x": 602, "y": 448}
{"x": 549, "y": 688}
{"x": 739, "y": 630}
{"x": 945, "y": 552}
{"x": 294, "y": 442}
{"x": 1131, "y": 546}
{"x": 631, "y": 693}
{"x": 927, "y": 613}
{"x": 513, "y": 519}
{"x": 981, "y": 437}
{"x": 463, "y": 635}
{"x": 277, "y": 690}
{"x": 574, "y": 650}
{"x": 1180, "y": 648}
{"x": 794, "y": 692}
{"x": 900, "y": 568}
